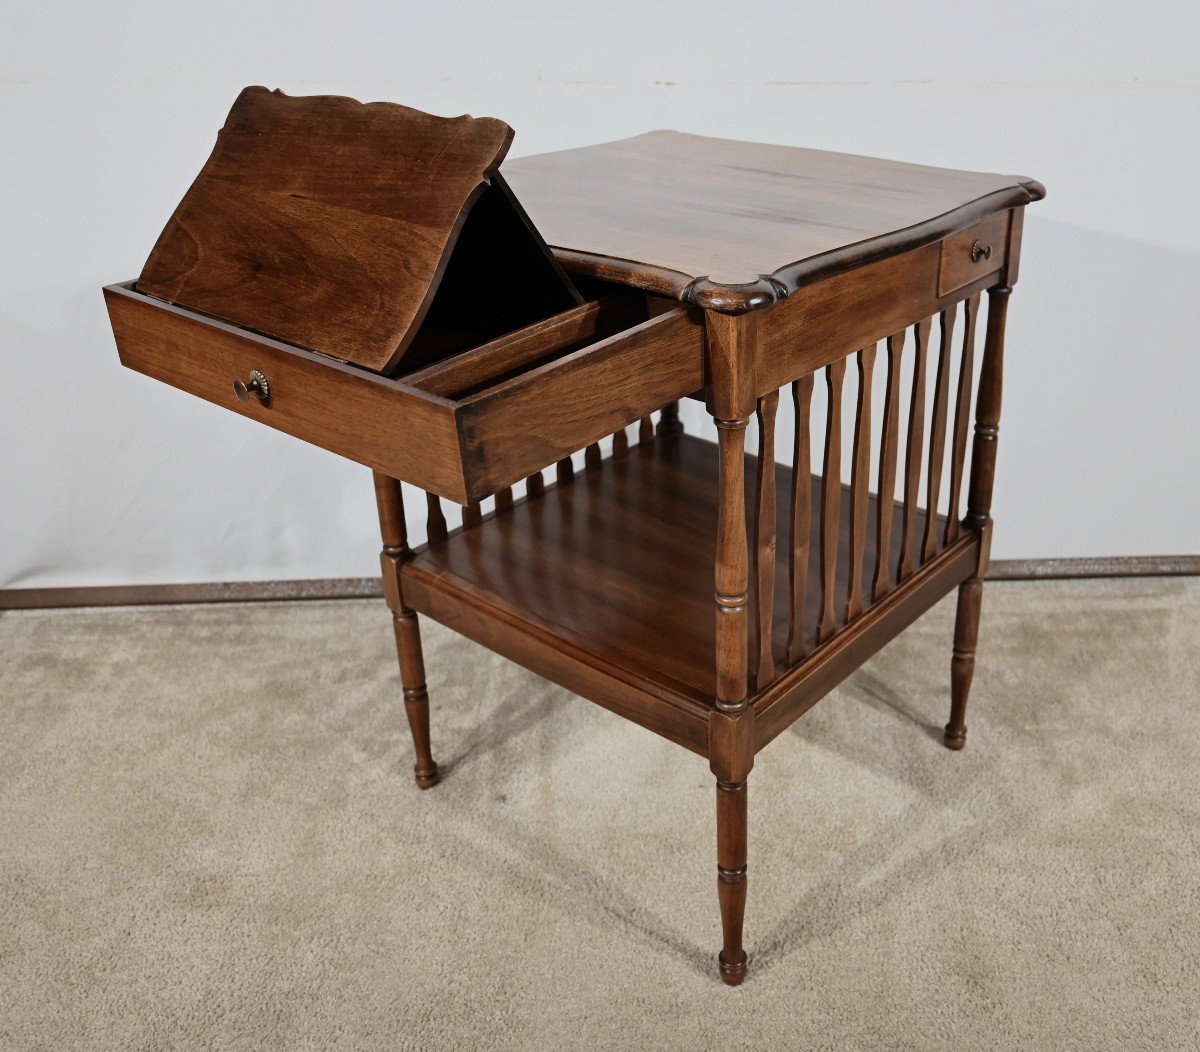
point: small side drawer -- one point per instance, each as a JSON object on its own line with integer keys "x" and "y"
{"x": 973, "y": 253}
{"x": 463, "y": 429}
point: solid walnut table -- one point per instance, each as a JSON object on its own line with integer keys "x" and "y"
{"x": 362, "y": 277}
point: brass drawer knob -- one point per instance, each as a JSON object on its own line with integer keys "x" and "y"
{"x": 258, "y": 384}
{"x": 980, "y": 251}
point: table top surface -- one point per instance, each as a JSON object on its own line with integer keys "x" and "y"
{"x": 663, "y": 210}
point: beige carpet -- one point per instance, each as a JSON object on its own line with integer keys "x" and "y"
{"x": 210, "y": 839}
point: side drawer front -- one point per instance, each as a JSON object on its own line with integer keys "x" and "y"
{"x": 405, "y": 433}
{"x": 525, "y": 423}
{"x": 973, "y": 253}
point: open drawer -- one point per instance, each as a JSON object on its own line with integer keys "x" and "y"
{"x": 463, "y": 428}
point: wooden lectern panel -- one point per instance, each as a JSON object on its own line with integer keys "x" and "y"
{"x": 324, "y": 221}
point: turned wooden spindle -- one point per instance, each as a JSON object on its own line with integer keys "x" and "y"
{"x": 535, "y": 485}
{"x": 764, "y": 554}
{"x": 979, "y": 514}
{"x": 564, "y": 471}
{"x": 860, "y": 482}
{"x": 394, "y": 531}
{"x": 668, "y": 421}
{"x": 888, "y": 454}
{"x": 831, "y": 499}
{"x": 800, "y": 541}
{"x": 731, "y": 350}
{"x": 937, "y": 435}
{"x": 962, "y": 417}
{"x": 435, "y": 522}
{"x": 591, "y": 457}
{"x": 914, "y": 452}
{"x": 472, "y": 515}
{"x": 645, "y": 430}
{"x": 731, "y": 877}
{"x": 504, "y": 499}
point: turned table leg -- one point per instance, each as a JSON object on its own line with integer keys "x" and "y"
{"x": 404, "y": 620}
{"x": 730, "y": 343}
{"x": 979, "y": 515}
{"x": 731, "y": 722}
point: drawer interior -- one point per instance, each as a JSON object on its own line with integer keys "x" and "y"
{"x": 463, "y": 427}
{"x": 489, "y": 362}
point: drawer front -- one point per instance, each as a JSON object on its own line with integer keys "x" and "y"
{"x": 405, "y": 433}
{"x": 542, "y": 404}
{"x": 973, "y": 253}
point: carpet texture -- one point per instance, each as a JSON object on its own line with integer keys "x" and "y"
{"x": 210, "y": 839}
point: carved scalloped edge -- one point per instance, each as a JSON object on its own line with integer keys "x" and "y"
{"x": 738, "y": 298}
{"x": 741, "y": 298}
{"x": 1035, "y": 189}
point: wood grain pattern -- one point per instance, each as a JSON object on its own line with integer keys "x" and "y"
{"x": 860, "y": 482}
{"x": 323, "y": 221}
{"x": 914, "y": 451}
{"x": 545, "y": 412}
{"x": 732, "y": 569}
{"x": 888, "y": 456}
{"x": 765, "y": 529}
{"x": 394, "y": 531}
{"x": 509, "y": 354}
{"x": 435, "y": 522}
{"x": 800, "y": 528}
{"x": 960, "y": 266}
{"x": 627, "y": 210}
{"x": 831, "y": 495}
{"x": 937, "y": 432}
{"x": 962, "y": 418}
{"x": 463, "y": 449}
{"x": 591, "y": 563}
{"x": 383, "y": 423}
{"x": 637, "y": 582}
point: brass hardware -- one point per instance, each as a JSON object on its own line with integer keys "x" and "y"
{"x": 980, "y": 251}
{"x": 258, "y": 384}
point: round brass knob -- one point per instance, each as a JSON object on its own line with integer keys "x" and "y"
{"x": 980, "y": 251}
{"x": 257, "y": 383}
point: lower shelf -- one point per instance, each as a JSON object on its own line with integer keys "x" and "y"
{"x": 605, "y": 584}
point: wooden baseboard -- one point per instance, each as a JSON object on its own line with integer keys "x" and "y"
{"x": 217, "y": 592}
{"x": 1108, "y": 566}
{"x": 369, "y": 587}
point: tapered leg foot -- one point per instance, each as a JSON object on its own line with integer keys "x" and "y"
{"x": 416, "y": 697}
{"x": 416, "y": 706}
{"x": 962, "y": 665}
{"x": 733, "y": 974}
{"x": 731, "y": 877}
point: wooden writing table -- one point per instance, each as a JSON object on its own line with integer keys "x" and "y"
{"x": 417, "y": 323}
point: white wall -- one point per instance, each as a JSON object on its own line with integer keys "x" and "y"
{"x": 107, "y": 112}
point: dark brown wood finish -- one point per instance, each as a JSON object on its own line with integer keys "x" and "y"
{"x": 979, "y": 514}
{"x": 625, "y": 211}
{"x": 649, "y": 581}
{"x": 800, "y": 530}
{"x": 764, "y": 555}
{"x": 914, "y": 451}
{"x": 831, "y": 496}
{"x": 329, "y": 223}
{"x": 860, "y": 482}
{"x": 937, "y": 433}
{"x": 408, "y": 633}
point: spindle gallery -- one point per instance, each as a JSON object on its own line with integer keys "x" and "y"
{"x": 363, "y": 277}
